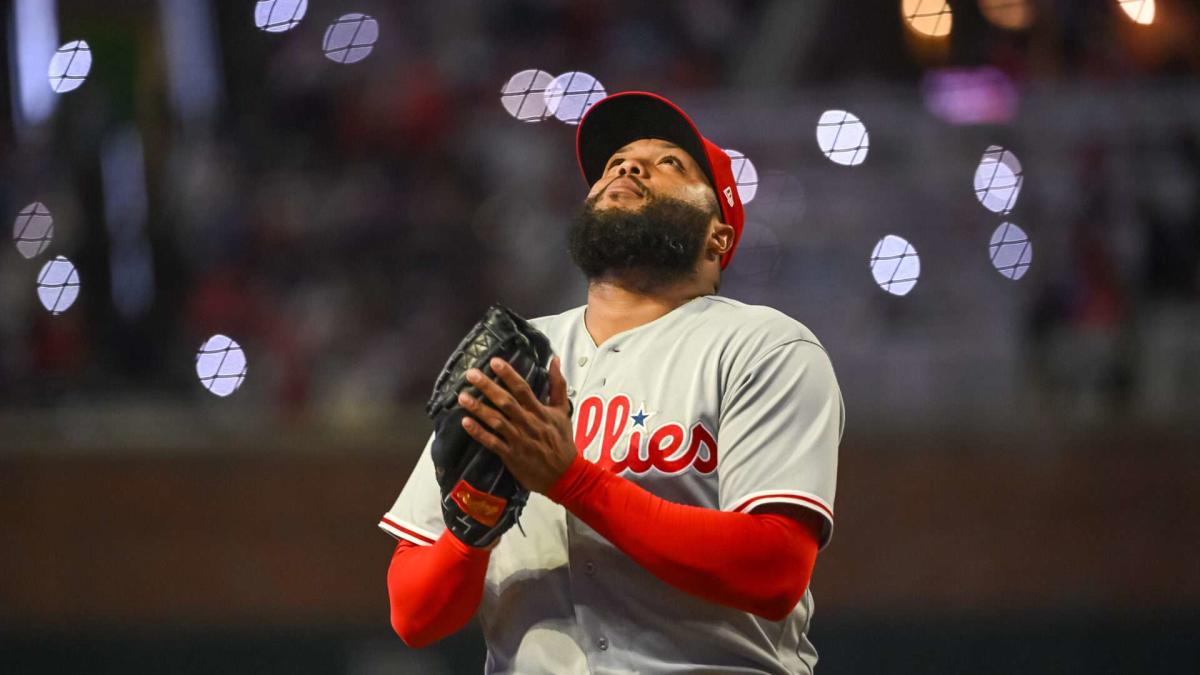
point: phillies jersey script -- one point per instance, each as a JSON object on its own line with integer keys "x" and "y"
{"x": 716, "y": 404}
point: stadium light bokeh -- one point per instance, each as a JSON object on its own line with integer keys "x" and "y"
{"x": 1139, "y": 11}
{"x": 1008, "y": 14}
{"x": 928, "y": 18}
{"x": 33, "y": 230}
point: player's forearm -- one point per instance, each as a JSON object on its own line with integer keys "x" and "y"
{"x": 756, "y": 563}
{"x": 434, "y": 590}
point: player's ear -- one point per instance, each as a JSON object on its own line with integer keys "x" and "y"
{"x": 720, "y": 239}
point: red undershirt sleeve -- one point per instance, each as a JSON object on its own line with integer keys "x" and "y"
{"x": 434, "y": 590}
{"x": 758, "y": 563}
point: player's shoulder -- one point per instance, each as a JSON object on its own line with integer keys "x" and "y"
{"x": 555, "y": 324}
{"x": 764, "y": 326}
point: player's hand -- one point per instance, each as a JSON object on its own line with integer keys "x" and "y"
{"x": 532, "y": 438}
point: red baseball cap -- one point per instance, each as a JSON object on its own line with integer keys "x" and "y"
{"x": 618, "y": 120}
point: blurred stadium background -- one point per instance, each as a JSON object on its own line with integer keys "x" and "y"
{"x": 340, "y": 189}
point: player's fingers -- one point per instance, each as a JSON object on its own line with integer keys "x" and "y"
{"x": 486, "y": 414}
{"x": 558, "y": 385}
{"x": 498, "y": 395}
{"x": 486, "y": 438}
{"x": 516, "y": 384}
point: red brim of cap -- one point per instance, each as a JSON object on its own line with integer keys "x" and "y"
{"x": 618, "y": 120}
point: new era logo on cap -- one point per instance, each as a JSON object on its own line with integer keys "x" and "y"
{"x": 729, "y": 195}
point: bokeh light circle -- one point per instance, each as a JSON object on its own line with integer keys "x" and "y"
{"x": 895, "y": 265}
{"x": 843, "y": 137}
{"x": 524, "y": 95}
{"x": 351, "y": 38}
{"x": 69, "y": 66}
{"x": 744, "y": 174}
{"x": 1140, "y": 11}
{"x": 1009, "y": 14}
{"x": 998, "y": 180}
{"x": 930, "y": 18}
{"x": 759, "y": 255}
{"x": 1011, "y": 251}
{"x": 782, "y": 205}
{"x": 58, "y": 285}
{"x": 33, "y": 229}
{"x": 221, "y": 365}
{"x": 277, "y": 16}
{"x": 571, "y": 94}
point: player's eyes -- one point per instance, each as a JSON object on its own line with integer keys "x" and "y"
{"x": 615, "y": 161}
{"x": 672, "y": 160}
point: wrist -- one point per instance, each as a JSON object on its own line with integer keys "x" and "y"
{"x": 464, "y": 550}
{"x": 572, "y": 482}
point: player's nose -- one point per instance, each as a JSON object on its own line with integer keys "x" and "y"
{"x": 630, "y": 166}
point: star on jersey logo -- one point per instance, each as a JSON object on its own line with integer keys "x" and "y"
{"x": 639, "y": 420}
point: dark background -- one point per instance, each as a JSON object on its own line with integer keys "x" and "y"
{"x": 1019, "y": 482}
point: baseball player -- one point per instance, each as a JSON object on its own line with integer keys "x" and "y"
{"x": 682, "y": 467}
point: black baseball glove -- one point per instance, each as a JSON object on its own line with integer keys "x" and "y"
{"x": 480, "y": 498}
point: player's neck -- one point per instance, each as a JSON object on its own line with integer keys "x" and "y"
{"x": 613, "y": 308}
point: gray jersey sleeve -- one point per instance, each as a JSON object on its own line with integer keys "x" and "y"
{"x": 417, "y": 514}
{"x": 780, "y": 426}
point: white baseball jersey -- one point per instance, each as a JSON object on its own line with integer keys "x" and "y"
{"x": 716, "y": 404}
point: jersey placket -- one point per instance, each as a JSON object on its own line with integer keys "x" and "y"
{"x": 584, "y": 358}
{"x": 585, "y": 567}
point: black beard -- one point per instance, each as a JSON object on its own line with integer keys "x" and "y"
{"x": 649, "y": 249}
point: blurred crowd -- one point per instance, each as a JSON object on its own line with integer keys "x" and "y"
{"x": 346, "y": 223}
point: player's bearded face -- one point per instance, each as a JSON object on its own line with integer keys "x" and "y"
{"x": 659, "y": 243}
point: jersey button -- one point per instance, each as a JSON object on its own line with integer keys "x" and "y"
{"x": 589, "y": 568}
{"x": 602, "y": 643}
{"x": 582, "y": 361}
{"x": 570, "y": 393}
